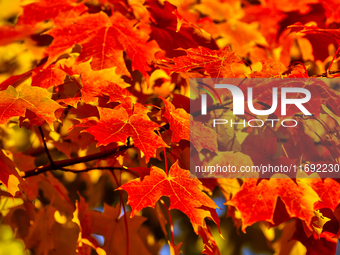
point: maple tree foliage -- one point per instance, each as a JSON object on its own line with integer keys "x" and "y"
{"x": 97, "y": 134}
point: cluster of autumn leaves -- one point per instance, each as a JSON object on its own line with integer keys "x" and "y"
{"x": 104, "y": 93}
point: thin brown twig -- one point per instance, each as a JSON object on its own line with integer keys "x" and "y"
{"x": 68, "y": 162}
{"x": 99, "y": 168}
{"x": 45, "y": 146}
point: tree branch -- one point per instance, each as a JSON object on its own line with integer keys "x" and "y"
{"x": 45, "y": 146}
{"x": 111, "y": 168}
{"x": 68, "y": 162}
{"x": 55, "y": 165}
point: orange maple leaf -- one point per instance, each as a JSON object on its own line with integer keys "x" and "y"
{"x": 270, "y": 68}
{"x": 93, "y": 84}
{"x": 103, "y": 39}
{"x": 182, "y": 190}
{"x": 300, "y": 28}
{"x": 51, "y": 76}
{"x": 257, "y": 202}
{"x": 112, "y": 227}
{"x": 328, "y": 191}
{"x": 216, "y": 63}
{"x": 8, "y": 175}
{"x": 179, "y": 121}
{"x": 37, "y": 100}
{"x": 203, "y": 136}
{"x": 116, "y": 125}
{"x": 48, "y": 9}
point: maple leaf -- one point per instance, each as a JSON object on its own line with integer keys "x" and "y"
{"x": 10, "y": 34}
{"x": 142, "y": 171}
{"x": 8, "y": 175}
{"x": 210, "y": 246}
{"x": 225, "y": 26}
{"x": 242, "y": 36}
{"x": 270, "y": 68}
{"x": 229, "y": 187}
{"x": 46, "y": 235}
{"x": 47, "y": 9}
{"x": 220, "y": 11}
{"x": 269, "y": 20}
{"x": 332, "y": 11}
{"x": 16, "y": 102}
{"x": 323, "y": 244}
{"x": 41, "y": 231}
{"x": 318, "y": 222}
{"x": 257, "y": 202}
{"x": 179, "y": 121}
{"x": 51, "y": 76}
{"x": 298, "y": 27}
{"x": 171, "y": 32}
{"x": 118, "y": 94}
{"x": 216, "y": 63}
{"x": 182, "y": 190}
{"x": 203, "y": 136}
{"x": 97, "y": 34}
{"x": 112, "y": 227}
{"x": 23, "y": 162}
{"x": 54, "y": 192}
{"x": 117, "y": 124}
{"x": 328, "y": 191}
{"x": 93, "y": 84}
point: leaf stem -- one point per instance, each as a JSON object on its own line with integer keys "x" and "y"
{"x": 330, "y": 66}
{"x": 170, "y": 220}
{"x": 125, "y": 216}
{"x": 165, "y": 161}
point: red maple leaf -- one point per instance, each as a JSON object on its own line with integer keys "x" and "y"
{"x": 328, "y": 191}
{"x": 270, "y": 68}
{"x": 37, "y": 100}
{"x": 48, "y": 9}
{"x": 93, "y": 84}
{"x": 116, "y": 125}
{"x": 202, "y": 136}
{"x": 182, "y": 190}
{"x": 298, "y": 27}
{"x": 171, "y": 31}
{"x": 216, "y": 63}
{"x": 103, "y": 39}
{"x": 184, "y": 128}
{"x": 51, "y": 76}
{"x": 10, "y": 34}
{"x": 8, "y": 175}
{"x": 257, "y": 202}
{"x": 179, "y": 121}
